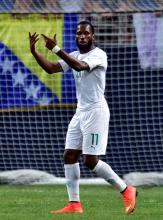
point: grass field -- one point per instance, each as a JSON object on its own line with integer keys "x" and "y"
{"x": 100, "y": 203}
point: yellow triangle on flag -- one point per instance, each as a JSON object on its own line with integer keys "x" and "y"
{"x": 15, "y": 35}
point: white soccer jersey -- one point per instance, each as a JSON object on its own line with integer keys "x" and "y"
{"x": 90, "y": 85}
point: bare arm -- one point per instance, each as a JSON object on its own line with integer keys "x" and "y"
{"x": 48, "y": 66}
{"x": 71, "y": 61}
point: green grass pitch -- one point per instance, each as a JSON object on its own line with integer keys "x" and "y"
{"x": 99, "y": 202}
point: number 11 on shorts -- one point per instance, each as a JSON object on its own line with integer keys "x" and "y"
{"x": 95, "y": 138}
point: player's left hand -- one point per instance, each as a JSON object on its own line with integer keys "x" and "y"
{"x": 49, "y": 42}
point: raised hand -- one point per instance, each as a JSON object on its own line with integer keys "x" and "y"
{"x": 33, "y": 38}
{"x": 49, "y": 42}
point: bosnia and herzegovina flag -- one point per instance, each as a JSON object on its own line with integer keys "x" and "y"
{"x": 22, "y": 82}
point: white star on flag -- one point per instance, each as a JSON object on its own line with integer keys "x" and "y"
{"x": 32, "y": 91}
{"x": 19, "y": 78}
{"x": 7, "y": 66}
{"x": 44, "y": 100}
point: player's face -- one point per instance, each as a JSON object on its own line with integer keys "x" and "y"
{"x": 84, "y": 37}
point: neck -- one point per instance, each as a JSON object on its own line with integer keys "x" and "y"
{"x": 86, "y": 49}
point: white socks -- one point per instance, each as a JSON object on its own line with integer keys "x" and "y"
{"x": 72, "y": 174}
{"x": 104, "y": 171}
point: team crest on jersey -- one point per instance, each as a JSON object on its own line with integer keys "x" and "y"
{"x": 79, "y": 75}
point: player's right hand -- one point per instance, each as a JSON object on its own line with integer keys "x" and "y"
{"x": 33, "y": 38}
{"x": 50, "y": 43}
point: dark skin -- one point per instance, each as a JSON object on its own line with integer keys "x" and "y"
{"x": 85, "y": 41}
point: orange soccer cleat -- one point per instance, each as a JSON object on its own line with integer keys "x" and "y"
{"x": 71, "y": 207}
{"x": 129, "y": 199}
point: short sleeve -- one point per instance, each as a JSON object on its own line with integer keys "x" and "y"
{"x": 96, "y": 59}
{"x": 64, "y": 65}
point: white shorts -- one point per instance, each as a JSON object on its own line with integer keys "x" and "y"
{"x": 88, "y": 131}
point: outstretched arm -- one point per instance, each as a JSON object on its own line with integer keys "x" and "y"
{"x": 48, "y": 66}
{"x": 71, "y": 61}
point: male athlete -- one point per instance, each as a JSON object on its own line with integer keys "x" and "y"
{"x": 88, "y": 130}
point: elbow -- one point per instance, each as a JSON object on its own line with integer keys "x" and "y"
{"x": 81, "y": 66}
{"x": 49, "y": 71}
{"x": 78, "y": 68}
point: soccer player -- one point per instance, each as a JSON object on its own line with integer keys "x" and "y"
{"x": 88, "y": 130}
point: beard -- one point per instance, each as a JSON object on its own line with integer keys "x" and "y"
{"x": 84, "y": 47}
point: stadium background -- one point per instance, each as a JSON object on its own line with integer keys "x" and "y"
{"x": 36, "y": 108}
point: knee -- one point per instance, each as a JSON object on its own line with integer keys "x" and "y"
{"x": 90, "y": 161}
{"x": 71, "y": 156}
